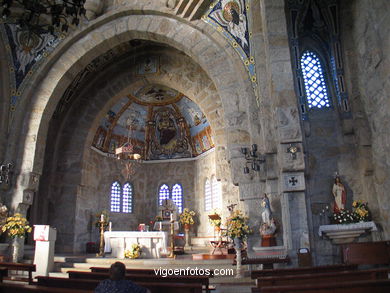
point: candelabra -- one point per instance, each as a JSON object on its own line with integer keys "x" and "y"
{"x": 101, "y": 243}
{"x": 172, "y": 254}
{"x": 252, "y": 158}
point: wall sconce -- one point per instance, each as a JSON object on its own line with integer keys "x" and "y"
{"x": 5, "y": 173}
{"x": 252, "y": 158}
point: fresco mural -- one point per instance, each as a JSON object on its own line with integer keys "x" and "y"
{"x": 160, "y": 120}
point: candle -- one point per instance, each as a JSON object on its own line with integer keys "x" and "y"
{"x": 171, "y": 216}
{"x": 109, "y": 226}
{"x": 101, "y": 218}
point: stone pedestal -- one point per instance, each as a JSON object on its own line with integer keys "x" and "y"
{"x": 45, "y": 238}
{"x": 268, "y": 240}
{"x": 346, "y": 233}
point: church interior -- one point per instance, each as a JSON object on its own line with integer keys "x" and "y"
{"x": 249, "y": 136}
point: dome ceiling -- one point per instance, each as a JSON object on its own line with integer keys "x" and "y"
{"x": 159, "y": 121}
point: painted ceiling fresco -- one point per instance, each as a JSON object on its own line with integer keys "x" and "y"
{"x": 160, "y": 122}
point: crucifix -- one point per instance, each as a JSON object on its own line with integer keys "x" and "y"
{"x": 293, "y": 181}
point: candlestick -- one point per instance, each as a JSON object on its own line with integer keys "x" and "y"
{"x": 171, "y": 216}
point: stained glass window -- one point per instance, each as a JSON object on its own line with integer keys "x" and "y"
{"x": 177, "y": 197}
{"x": 208, "y": 204}
{"x": 216, "y": 192}
{"x": 115, "y": 197}
{"x": 163, "y": 193}
{"x": 315, "y": 86}
{"x": 127, "y": 198}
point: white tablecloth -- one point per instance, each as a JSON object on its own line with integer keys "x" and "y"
{"x": 152, "y": 243}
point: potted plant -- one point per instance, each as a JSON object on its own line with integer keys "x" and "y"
{"x": 16, "y": 228}
{"x": 187, "y": 218}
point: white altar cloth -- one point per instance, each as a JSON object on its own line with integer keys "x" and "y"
{"x": 152, "y": 243}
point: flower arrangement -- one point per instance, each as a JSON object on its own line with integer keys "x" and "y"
{"x": 186, "y": 217}
{"x": 343, "y": 217}
{"x": 134, "y": 252}
{"x": 16, "y": 226}
{"x": 215, "y": 219}
{"x": 361, "y": 211}
{"x": 237, "y": 226}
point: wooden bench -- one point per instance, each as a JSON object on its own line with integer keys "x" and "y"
{"x": 137, "y": 271}
{"x": 86, "y": 284}
{"x": 11, "y": 266}
{"x": 138, "y": 278}
{"x": 374, "y": 286}
{"x": 3, "y": 273}
{"x": 366, "y": 253}
{"x": 21, "y": 288}
{"x": 293, "y": 271}
{"x": 329, "y": 277}
{"x": 268, "y": 263}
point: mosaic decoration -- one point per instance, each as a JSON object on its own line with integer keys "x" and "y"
{"x": 25, "y": 55}
{"x": 230, "y": 18}
{"x": 165, "y": 125}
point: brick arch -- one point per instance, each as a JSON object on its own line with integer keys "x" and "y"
{"x": 211, "y": 52}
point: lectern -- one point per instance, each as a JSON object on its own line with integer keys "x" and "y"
{"x": 45, "y": 238}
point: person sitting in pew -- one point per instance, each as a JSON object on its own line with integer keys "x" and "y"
{"x": 117, "y": 282}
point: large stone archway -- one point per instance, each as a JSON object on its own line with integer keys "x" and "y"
{"x": 201, "y": 43}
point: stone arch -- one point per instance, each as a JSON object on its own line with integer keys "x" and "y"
{"x": 211, "y": 52}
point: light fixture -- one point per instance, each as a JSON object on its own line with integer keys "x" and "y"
{"x": 127, "y": 152}
{"x": 293, "y": 150}
{"x": 38, "y": 17}
{"x": 5, "y": 173}
{"x": 252, "y": 158}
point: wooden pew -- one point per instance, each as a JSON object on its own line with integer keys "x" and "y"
{"x": 135, "y": 271}
{"x": 21, "y": 288}
{"x": 138, "y": 278}
{"x": 332, "y": 277}
{"x": 11, "y": 266}
{"x": 3, "y": 273}
{"x": 85, "y": 284}
{"x": 268, "y": 263}
{"x": 366, "y": 253}
{"x": 371, "y": 286}
{"x": 304, "y": 270}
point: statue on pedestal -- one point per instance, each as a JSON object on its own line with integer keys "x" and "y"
{"x": 340, "y": 195}
{"x": 268, "y": 227}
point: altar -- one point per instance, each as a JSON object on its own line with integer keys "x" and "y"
{"x": 152, "y": 243}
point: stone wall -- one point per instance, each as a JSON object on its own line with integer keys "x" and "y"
{"x": 366, "y": 45}
{"x": 100, "y": 172}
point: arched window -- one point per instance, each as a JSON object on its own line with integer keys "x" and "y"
{"x": 208, "y": 200}
{"x": 127, "y": 198}
{"x": 115, "y": 197}
{"x": 177, "y": 197}
{"x": 216, "y": 192}
{"x": 163, "y": 193}
{"x": 315, "y": 86}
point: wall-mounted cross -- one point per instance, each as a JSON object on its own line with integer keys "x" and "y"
{"x": 293, "y": 181}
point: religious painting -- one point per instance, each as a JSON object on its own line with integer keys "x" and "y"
{"x": 232, "y": 16}
{"x": 99, "y": 138}
{"x": 169, "y": 140}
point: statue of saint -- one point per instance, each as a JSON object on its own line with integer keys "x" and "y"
{"x": 268, "y": 226}
{"x": 340, "y": 195}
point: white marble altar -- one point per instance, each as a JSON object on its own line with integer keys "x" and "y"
{"x": 346, "y": 233}
{"x": 152, "y": 243}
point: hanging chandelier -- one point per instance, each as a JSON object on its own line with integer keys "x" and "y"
{"x": 127, "y": 153}
{"x": 38, "y": 17}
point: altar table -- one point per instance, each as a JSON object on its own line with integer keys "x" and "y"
{"x": 152, "y": 243}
